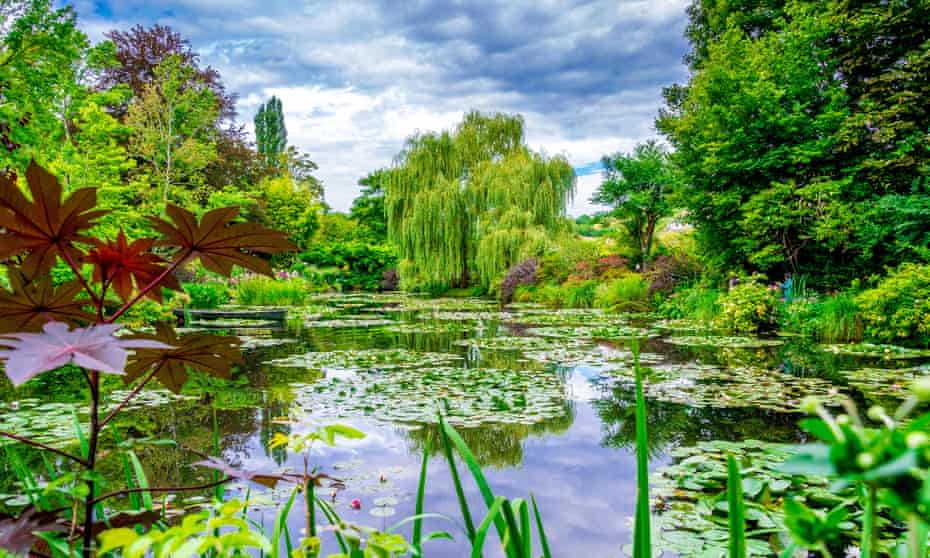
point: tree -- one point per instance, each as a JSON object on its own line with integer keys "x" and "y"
{"x": 797, "y": 139}
{"x": 270, "y": 131}
{"x": 291, "y": 208}
{"x": 368, "y": 208}
{"x": 639, "y": 186}
{"x": 172, "y": 123}
{"x": 451, "y": 191}
{"x": 139, "y": 51}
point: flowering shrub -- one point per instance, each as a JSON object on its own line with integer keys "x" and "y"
{"x": 897, "y": 310}
{"x": 665, "y": 272}
{"x": 747, "y": 307}
{"x": 612, "y": 267}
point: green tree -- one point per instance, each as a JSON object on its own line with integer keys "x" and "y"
{"x": 639, "y": 187}
{"x": 368, "y": 208}
{"x": 292, "y": 208}
{"x": 172, "y": 124}
{"x": 270, "y": 131}
{"x": 451, "y": 190}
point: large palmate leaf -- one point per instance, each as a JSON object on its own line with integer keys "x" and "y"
{"x": 120, "y": 263}
{"x": 218, "y": 242}
{"x": 266, "y": 478}
{"x": 46, "y": 225}
{"x": 210, "y": 354}
{"x": 17, "y": 535}
{"x": 94, "y": 348}
{"x": 31, "y": 305}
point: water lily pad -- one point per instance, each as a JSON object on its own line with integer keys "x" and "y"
{"x": 382, "y": 359}
{"x": 877, "y": 351}
{"x": 723, "y": 342}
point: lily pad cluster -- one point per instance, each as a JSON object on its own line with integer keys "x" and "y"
{"x": 381, "y": 359}
{"x": 595, "y": 332}
{"x": 468, "y": 396}
{"x": 723, "y": 342}
{"x": 877, "y": 351}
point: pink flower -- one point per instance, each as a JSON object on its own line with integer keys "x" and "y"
{"x": 94, "y": 348}
{"x": 356, "y": 504}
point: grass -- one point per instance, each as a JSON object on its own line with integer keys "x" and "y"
{"x": 264, "y": 291}
{"x": 838, "y": 320}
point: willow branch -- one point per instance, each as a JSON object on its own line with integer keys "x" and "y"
{"x": 129, "y": 397}
{"x": 127, "y": 491}
{"x": 40, "y": 445}
{"x": 145, "y": 290}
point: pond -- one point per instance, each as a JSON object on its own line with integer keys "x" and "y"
{"x": 544, "y": 399}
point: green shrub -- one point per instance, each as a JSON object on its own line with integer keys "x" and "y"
{"x": 352, "y": 265}
{"x": 578, "y": 294}
{"x": 695, "y": 302}
{"x": 838, "y": 319}
{"x": 626, "y": 294}
{"x": 147, "y": 313}
{"x": 897, "y": 310}
{"x": 206, "y": 295}
{"x": 746, "y": 307}
{"x": 525, "y": 293}
{"x": 550, "y": 295}
{"x": 265, "y": 291}
{"x": 563, "y": 258}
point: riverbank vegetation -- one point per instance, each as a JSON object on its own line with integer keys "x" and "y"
{"x": 778, "y": 223}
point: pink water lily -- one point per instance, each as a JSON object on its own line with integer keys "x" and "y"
{"x": 94, "y": 348}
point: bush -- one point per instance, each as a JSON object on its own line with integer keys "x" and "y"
{"x": 666, "y": 272}
{"x": 562, "y": 259}
{"x": 627, "y": 294}
{"x": 522, "y": 274}
{"x": 695, "y": 302}
{"x": 578, "y": 294}
{"x": 146, "y": 313}
{"x": 838, "y": 319}
{"x": 206, "y": 295}
{"x": 612, "y": 267}
{"x": 390, "y": 281}
{"x": 352, "y": 265}
{"x": 747, "y": 307}
{"x": 897, "y": 310}
{"x": 265, "y": 291}
{"x": 525, "y": 293}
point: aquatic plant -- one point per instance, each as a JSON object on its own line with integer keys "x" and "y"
{"x": 266, "y": 291}
{"x": 626, "y": 294}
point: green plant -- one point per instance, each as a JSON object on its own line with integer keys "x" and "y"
{"x": 627, "y": 294}
{"x": 207, "y": 295}
{"x": 695, "y": 302}
{"x": 747, "y": 307}
{"x": 147, "y": 313}
{"x": 265, "y": 291}
{"x": 897, "y": 309}
{"x": 642, "y": 530}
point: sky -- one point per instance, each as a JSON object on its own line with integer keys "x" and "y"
{"x": 356, "y": 78}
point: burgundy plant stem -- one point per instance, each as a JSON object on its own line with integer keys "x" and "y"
{"x": 40, "y": 445}
{"x": 128, "y": 491}
{"x": 88, "y": 534}
{"x": 129, "y": 397}
{"x": 145, "y": 290}
{"x": 77, "y": 271}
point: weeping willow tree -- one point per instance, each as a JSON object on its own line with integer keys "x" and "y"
{"x": 464, "y": 205}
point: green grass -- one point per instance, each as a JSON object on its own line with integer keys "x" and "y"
{"x": 838, "y": 320}
{"x": 626, "y": 294}
{"x": 264, "y": 291}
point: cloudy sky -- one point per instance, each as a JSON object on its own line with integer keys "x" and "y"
{"x": 357, "y": 77}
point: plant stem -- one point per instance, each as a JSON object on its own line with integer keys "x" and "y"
{"x": 145, "y": 290}
{"x": 40, "y": 445}
{"x": 77, "y": 271}
{"x": 132, "y": 394}
{"x": 127, "y": 491}
{"x": 867, "y": 545}
{"x": 91, "y": 461}
{"x": 310, "y": 498}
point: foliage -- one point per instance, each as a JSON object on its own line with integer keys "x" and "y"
{"x": 563, "y": 257}
{"x": 522, "y": 274}
{"x": 368, "y": 207}
{"x": 830, "y": 319}
{"x": 265, "y": 291}
{"x": 666, "y": 272}
{"x": 694, "y": 302}
{"x": 639, "y": 186}
{"x": 351, "y": 265}
{"x": 627, "y": 294}
{"x": 897, "y": 310}
{"x": 450, "y": 190}
{"x": 794, "y": 119}
{"x": 748, "y": 306}
{"x": 147, "y": 313}
{"x": 291, "y": 207}
{"x": 207, "y": 295}
{"x": 270, "y": 130}
{"x": 36, "y": 234}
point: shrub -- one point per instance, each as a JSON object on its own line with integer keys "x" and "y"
{"x": 897, "y": 310}
{"x": 525, "y": 293}
{"x": 612, "y": 267}
{"x": 265, "y": 291}
{"x": 351, "y": 265}
{"x": 206, "y": 295}
{"x": 390, "y": 281}
{"x": 147, "y": 313}
{"x": 627, "y": 294}
{"x": 563, "y": 257}
{"x": 695, "y": 302}
{"x": 666, "y": 272}
{"x": 578, "y": 294}
{"x": 746, "y": 307}
{"x": 523, "y": 273}
{"x": 838, "y": 319}
{"x": 551, "y": 295}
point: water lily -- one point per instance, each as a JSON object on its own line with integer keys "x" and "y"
{"x": 356, "y": 504}
{"x": 95, "y": 348}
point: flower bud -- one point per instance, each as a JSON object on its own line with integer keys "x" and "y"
{"x": 865, "y": 460}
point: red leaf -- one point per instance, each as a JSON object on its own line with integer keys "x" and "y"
{"x": 269, "y": 480}
{"x": 16, "y": 534}
{"x": 218, "y": 242}
{"x": 121, "y": 264}
{"x": 45, "y": 226}
{"x": 31, "y": 305}
{"x": 210, "y": 354}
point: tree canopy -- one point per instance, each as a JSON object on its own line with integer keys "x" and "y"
{"x": 464, "y": 205}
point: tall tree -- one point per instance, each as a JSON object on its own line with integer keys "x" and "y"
{"x": 368, "y": 208}
{"x": 449, "y": 191}
{"x": 140, "y": 50}
{"x": 172, "y": 123}
{"x": 270, "y": 131}
{"x": 639, "y": 187}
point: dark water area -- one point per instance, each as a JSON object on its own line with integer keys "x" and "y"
{"x": 571, "y": 445}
